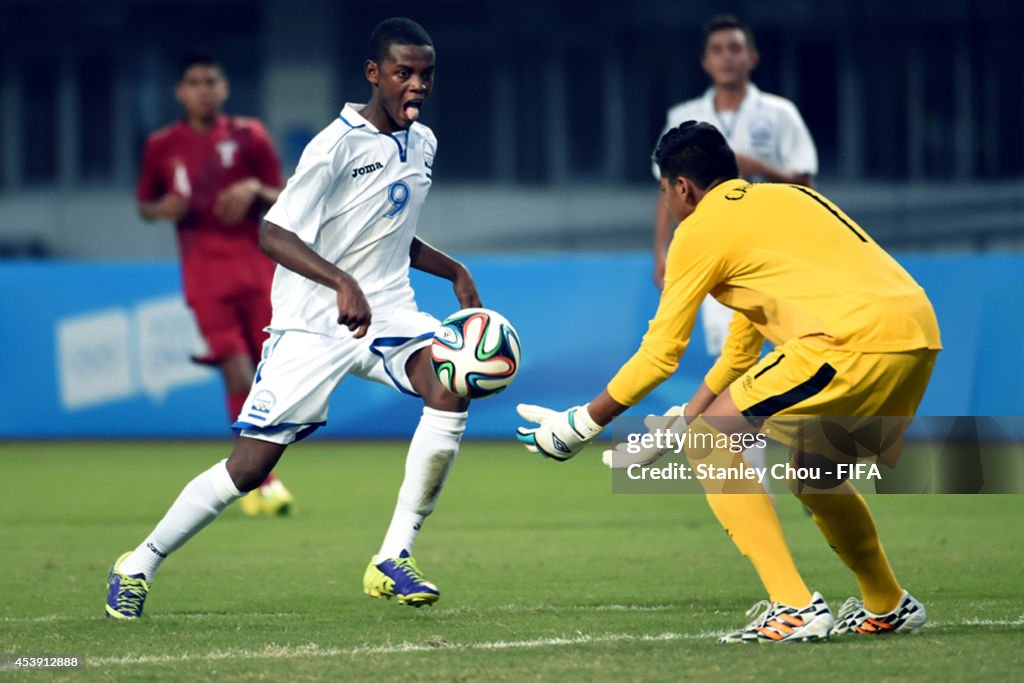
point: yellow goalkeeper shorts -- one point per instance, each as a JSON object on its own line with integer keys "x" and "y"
{"x": 807, "y": 378}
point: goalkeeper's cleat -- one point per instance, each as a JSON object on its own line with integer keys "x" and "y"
{"x": 126, "y": 594}
{"x": 908, "y": 617}
{"x": 401, "y": 578}
{"x": 271, "y": 499}
{"x": 778, "y": 623}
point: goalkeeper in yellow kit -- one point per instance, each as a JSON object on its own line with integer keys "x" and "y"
{"x": 854, "y": 335}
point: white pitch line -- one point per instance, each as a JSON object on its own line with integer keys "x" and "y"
{"x": 1019, "y": 621}
{"x": 285, "y": 652}
{"x": 274, "y": 651}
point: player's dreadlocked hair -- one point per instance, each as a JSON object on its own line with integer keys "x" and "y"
{"x": 696, "y": 151}
{"x": 396, "y": 31}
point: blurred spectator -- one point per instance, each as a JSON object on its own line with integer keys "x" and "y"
{"x": 213, "y": 175}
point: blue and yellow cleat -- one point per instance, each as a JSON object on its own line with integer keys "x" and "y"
{"x": 126, "y": 595}
{"x": 399, "y": 577}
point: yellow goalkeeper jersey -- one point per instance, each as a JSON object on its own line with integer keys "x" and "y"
{"x": 792, "y": 265}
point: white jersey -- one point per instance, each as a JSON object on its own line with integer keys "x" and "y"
{"x": 355, "y": 199}
{"x": 765, "y": 126}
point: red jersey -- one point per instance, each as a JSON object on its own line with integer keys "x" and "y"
{"x": 217, "y": 259}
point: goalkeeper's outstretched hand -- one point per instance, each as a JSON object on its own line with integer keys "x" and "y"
{"x": 558, "y": 435}
{"x": 622, "y": 457}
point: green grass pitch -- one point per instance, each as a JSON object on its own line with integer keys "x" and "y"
{"x": 545, "y": 575}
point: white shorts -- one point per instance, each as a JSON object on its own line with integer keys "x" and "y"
{"x": 299, "y": 371}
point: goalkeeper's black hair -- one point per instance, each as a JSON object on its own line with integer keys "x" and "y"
{"x": 396, "y": 31}
{"x": 697, "y": 151}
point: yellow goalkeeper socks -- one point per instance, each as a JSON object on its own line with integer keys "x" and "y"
{"x": 751, "y": 522}
{"x": 846, "y": 523}
{"x": 747, "y": 514}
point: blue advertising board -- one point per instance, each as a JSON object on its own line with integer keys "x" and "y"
{"x": 102, "y": 350}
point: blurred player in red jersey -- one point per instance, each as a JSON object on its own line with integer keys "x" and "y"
{"x": 214, "y": 175}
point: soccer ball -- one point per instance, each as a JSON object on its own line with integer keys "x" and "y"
{"x": 475, "y": 353}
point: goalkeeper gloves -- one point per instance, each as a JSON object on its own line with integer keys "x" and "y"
{"x": 621, "y": 458}
{"x": 559, "y": 435}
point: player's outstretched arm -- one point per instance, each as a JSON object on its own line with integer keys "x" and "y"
{"x": 426, "y": 258}
{"x": 285, "y": 247}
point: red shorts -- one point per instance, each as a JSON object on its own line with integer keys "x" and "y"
{"x": 233, "y": 325}
{"x": 228, "y": 290}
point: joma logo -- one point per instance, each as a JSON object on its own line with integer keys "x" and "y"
{"x": 369, "y": 168}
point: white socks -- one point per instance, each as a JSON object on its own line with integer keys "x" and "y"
{"x": 431, "y": 452}
{"x": 197, "y": 505}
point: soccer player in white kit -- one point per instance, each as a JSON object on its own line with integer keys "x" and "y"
{"x": 343, "y": 234}
{"x": 765, "y": 131}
